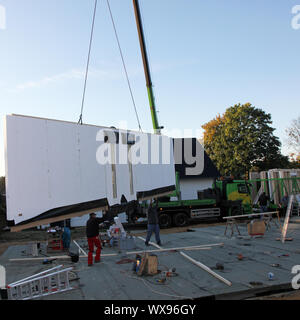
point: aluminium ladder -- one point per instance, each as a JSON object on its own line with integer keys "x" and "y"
{"x": 45, "y": 283}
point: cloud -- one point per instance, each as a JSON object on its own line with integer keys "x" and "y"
{"x": 111, "y": 72}
{"x": 70, "y": 75}
{"x": 74, "y": 74}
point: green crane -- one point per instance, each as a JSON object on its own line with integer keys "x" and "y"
{"x": 156, "y": 127}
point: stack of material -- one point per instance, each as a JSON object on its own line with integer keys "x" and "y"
{"x": 275, "y": 183}
{"x": 291, "y": 173}
{"x": 274, "y": 186}
{"x": 254, "y": 190}
{"x": 264, "y": 175}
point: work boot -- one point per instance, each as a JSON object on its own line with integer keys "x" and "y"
{"x": 97, "y": 261}
{"x": 146, "y": 243}
{"x": 90, "y": 265}
{"x": 159, "y": 243}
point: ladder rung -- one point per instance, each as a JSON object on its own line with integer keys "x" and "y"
{"x": 40, "y": 285}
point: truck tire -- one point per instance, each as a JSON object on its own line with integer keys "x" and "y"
{"x": 181, "y": 219}
{"x": 165, "y": 220}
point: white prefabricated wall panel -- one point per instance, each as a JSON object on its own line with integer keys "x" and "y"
{"x": 52, "y": 164}
{"x": 81, "y": 221}
{"x": 158, "y": 174}
{"x": 189, "y": 187}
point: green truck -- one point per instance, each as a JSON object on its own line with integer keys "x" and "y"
{"x": 226, "y": 197}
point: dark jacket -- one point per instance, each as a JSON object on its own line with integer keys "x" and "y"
{"x": 92, "y": 227}
{"x": 152, "y": 215}
{"x": 263, "y": 199}
{"x": 285, "y": 201}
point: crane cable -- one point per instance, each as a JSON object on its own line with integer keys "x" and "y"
{"x": 124, "y": 66}
{"x": 88, "y": 62}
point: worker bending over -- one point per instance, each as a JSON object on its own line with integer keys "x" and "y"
{"x": 92, "y": 233}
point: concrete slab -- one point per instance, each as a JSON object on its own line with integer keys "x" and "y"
{"x": 110, "y": 280}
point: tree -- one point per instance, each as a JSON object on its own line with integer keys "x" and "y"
{"x": 294, "y": 161}
{"x": 241, "y": 139}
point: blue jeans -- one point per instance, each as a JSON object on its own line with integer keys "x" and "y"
{"x": 263, "y": 209}
{"x": 153, "y": 228}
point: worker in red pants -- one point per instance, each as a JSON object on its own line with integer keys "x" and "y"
{"x": 92, "y": 233}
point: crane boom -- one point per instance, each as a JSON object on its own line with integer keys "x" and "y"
{"x": 156, "y": 127}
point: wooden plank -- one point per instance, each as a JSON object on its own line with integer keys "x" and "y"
{"x": 41, "y": 222}
{"x": 195, "y": 249}
{"x": 204, "y": 247}
{"x": 287, "y": 218}
{"x": 250, "y": 215}
{"x": 58, "y": 257}
{"x": 187, "y": 248}
{"x": 205, "y": 268}
{"x": 80, "y": 249}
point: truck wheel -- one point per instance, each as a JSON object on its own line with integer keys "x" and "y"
{"x": 180, "y": 219}
{"x": 165, "y": 220}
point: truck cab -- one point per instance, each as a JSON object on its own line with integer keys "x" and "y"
{"x": 236, "y": 190}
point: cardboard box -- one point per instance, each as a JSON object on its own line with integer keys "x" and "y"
{"x": 152, "y": 265}
{"x": 148, "y": 265}
{"x": 256, "y": 228}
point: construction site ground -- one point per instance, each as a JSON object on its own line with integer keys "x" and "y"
{"x": 246, "y": 261}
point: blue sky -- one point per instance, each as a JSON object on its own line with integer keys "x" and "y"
{"x": 205, "y": 56}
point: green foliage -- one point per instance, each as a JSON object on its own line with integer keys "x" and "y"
{"x": 242, "y": 138}
{"x": 294, "y": 161}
